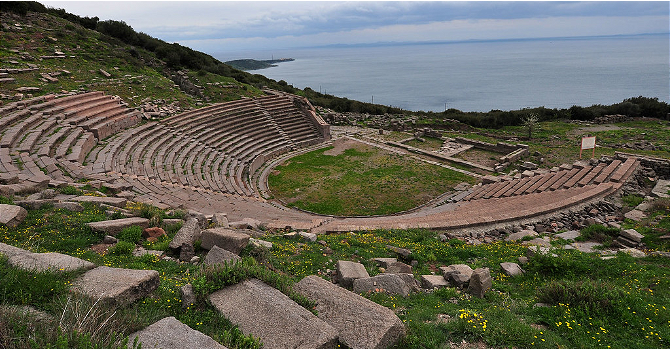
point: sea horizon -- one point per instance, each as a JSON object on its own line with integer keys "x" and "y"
{"x": 481, "y": 75}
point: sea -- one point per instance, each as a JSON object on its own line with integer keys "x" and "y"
{"x": 482, "y": 75}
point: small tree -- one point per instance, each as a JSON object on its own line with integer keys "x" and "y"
{"x": 531, "y": 122}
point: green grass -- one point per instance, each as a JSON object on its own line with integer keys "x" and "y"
{"x": 592, "y": 303}
{"x": 359, "y": 181}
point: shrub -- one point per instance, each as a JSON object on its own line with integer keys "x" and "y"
{"x": 599, "y": 233}
{"x": 632, "y": 200}
{"x": 562, "y": 265}
{"x": 70, "y": 190}
{"x": 592, "y": 295}
{"x": 122, "y": 248}
{"x": 132, "y": 234}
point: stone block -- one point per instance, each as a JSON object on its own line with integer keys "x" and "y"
{"x": 219, "y": 255}
{"x": 72, "y": 206}
{"x": 635, "y": 215}
{"x": 361, "y": 323}
{"x": 55, "y": 262}
{"x": 311, "y": 237}
{"x": 169, "y": 333}
{"x": 220, "y": 220}
{"x": 12, "y": 215}
{"x": 113, "y": 227}
{"x": 480, "y": 282}
{"x": 266, "y": 313}
{"x": 399, "y": 267}
{"x": 568, "y": 235}
{"x": 457, "y": 275}
{"x": 348, "y": 271}
{"x": 227, "y": 239}
{"x": 384, "y": 262}
{"x": 113, "y": 201}
{"x": 389, "y": 283}
{"x": 188, "y": 233}
{"x": 636, "y": 253}
{"x": 433, "y": 281}
{"x": 511, "y": 269}
{"x": 632, "y": 235}
{"x": 115, "y": 285}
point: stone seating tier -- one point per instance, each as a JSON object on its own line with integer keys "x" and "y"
{"x": 13, "y": 133}
{"x": 550, "y": 181}
{"x": 35, "y": 134}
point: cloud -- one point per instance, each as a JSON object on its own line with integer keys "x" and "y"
{"x": 207, "y": 25}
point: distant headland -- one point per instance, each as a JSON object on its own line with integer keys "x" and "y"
{"x": 251, "y": 64}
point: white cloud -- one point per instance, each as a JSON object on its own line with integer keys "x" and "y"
{"x": 456, "y": 30}
{"x": 213, "y": 26}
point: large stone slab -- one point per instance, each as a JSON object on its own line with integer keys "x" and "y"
{"x": 511, "y": 269}
{"x": 360, "y": 322}
{"x": 349, "y": 271}
{"x": 271, "y": 316}
{"x": 187, "y": 234}
{"x": 458, "y": 275}
{"x": 113, "y": 201}
{"x": 12, "y": 215}
{"x": 221, "y": 256}
{"x": 227, "y": 239}
{"x": 114, "y": 227}
{"x": 391, "y": 283}
{"x": 433, "y": 281}
{"x": 662, "y": 189}
{"x": 115, "y": 285}
{"x": 57, "y": 262}
{"x": 169, "y": 333}
{"x": 632, "y": 235}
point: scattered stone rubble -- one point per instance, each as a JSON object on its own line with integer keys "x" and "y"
{"x": 336, "y": 305}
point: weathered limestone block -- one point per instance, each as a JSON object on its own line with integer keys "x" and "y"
{"x": 169, "y": 333}
{"x": 113, "y": 201}
{"x": 390, "y": 283}
{"x": 361, "y": 323}
{"x": 511, "y": 269}
{"x": 480, "y": 282}
{"x": 227, "y": 239}
{"x": 398, "y": 267}
{"x": 458, "y": 275}
{"x": 385, "y": 262}
{"x": 271, "y": 316}
{"x": 348, "y": 271}
{"x": 113, "y": 227}
{"x": 57, "y": 262}
{"x": 632, "y": 235}
{"x": 188, "y": 233}
{"x": 71, "y": 206}
{"x": 12, "y": 215}
{"x": 404, "y": 253}
{"x": 115, "y": 285}
{"x": 433, "y": 281}
{"x": 221, "y": 256}
{"x": 220, "y": 220}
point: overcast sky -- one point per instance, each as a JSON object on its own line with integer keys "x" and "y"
{"x": 221, "y": 26}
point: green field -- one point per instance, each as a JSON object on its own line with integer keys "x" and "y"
{"x": 362, "y": 180}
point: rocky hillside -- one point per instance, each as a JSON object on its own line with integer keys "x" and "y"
{"x": 43, "y": 54}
